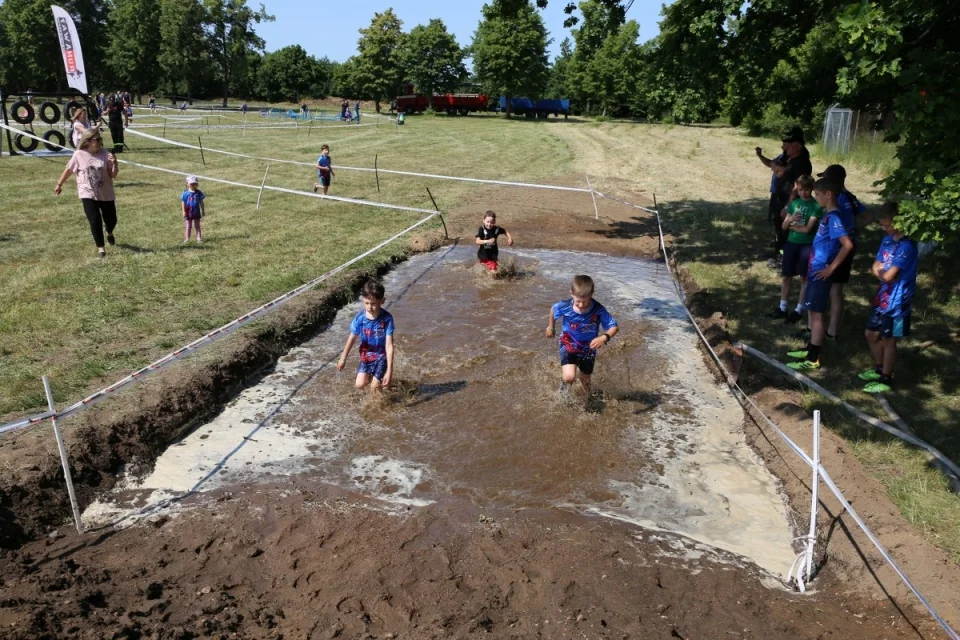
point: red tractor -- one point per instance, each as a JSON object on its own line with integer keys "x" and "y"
{"x": 463, "y": 102}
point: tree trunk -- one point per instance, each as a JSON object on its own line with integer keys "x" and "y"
{"x": 376, "y": 104}
{"x": 430, "y": 100}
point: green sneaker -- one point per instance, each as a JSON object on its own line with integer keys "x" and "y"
{"x": 870, "y": 375}
{"x": 877, "y": 387}
{"x": 804, "y": 365}
{"x": 800, "y": 354}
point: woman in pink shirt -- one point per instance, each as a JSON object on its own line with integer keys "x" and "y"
{"x": 95, "y": 170}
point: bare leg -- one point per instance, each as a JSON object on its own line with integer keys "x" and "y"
{"x": 363, "y": 379}
{"x": 889, "y": 355}
{"x": 785, "y": 287}
{"x": 876, "y": 346}
{"x": 803, "y": 289}
{"x": 816, "y": 328}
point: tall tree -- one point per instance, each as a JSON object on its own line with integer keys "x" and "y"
{"x": 182, "y": 45}
{"x": 611, "y": 75}
{"x": 134, "y": 44}
{"x": 598, "y": 24}
{"x": 433, "y": 60}
{"x": 510, "y": 54}
{"x": 558, "y": 86}
{"x": 379, "y": 70}
{"x": 508, "y": 8}
{"x": 231, "y": 37}
{"x": 287, "y": 74}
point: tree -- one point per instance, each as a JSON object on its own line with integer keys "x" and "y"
{"x": 433, "y": 60}
{"x": 509, "y": 8}
{"x": 182, "y": 47}
{"x": 598, "y": 25}
{"x": 379, "y": 71}
{"x": 344, "y": 81}
{"x": 685, "y": 74}
{"x": 558, "y": 86}
{"x": 287, "y": 74}
{"x": 134, "y": 44}
{"x": 905, "y": 56}
{"x": 510, "y": 54}
{"x": 230, "y": 37}
{"x": 612, "y": 74}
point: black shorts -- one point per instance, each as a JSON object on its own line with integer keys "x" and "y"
{"x": 842, "y": 274}
{"x": 887, "y": 326}
{"x": 324, "y": 179}
{"x": 796, "y": 260}
{"x": 582, "y": 361}
{"x": 774, "y": 208}
{"x": 817, "y": 296}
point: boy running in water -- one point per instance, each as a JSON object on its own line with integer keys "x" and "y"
{"x": 585, "y": 327}
{"x": 488, "y": 252}
{"x": 374, "y": 328}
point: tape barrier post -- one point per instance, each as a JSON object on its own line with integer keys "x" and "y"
{"x": 200, "y": 142}
{"x": 63, "y": 456}
{"x": 596, "y": 212}
{"x": 376, "y": 173}
{"x": 445, "y": 234}
{"x": 262, "y": 184}
{"x": 815, "y": 489}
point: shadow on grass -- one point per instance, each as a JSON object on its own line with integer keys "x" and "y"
{"x": 636, "y": 227}
{"x": 721, "y": 250}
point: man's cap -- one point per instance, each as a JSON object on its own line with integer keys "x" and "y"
{"x": 834, "y": 172}
{"x": 794, "y": 135}
{"x": 192, "y": 180}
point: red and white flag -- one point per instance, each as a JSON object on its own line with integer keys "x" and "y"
{"x": 70, "y": 47}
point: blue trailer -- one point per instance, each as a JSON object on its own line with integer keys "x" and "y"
{"x": 536, "y": 108}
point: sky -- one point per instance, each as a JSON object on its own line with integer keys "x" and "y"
{"x": 330, "y": 28}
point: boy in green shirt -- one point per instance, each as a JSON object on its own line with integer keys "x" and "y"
{"x": 802, "y": 217}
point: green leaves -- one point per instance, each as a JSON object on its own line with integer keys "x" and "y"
{"x": 378, "y": 67}
{"x": 433, "y": 60}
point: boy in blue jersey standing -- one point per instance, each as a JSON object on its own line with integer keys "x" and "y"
{"x": 324, "y": 169}
{"x": 896, "y": 269}
{"x": 831, "y": 246}
{"x": 374, "y": 328}
{"x": 585, "y": 327}
{"x": 851, "y": 215}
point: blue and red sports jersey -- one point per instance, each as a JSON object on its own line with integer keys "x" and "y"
{"x": 192, "y": 200}
{"x": 850, "y": 208}
{"x": 895, "y": 299}
{"x": 579, "y": 329}
{"x": 373, "y": 334}
{"x": 826, "y": 244}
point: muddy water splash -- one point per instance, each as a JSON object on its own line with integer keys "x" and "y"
{"x": 477, "y": 412}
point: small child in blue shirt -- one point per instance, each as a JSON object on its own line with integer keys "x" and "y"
{"x": 374, "y": 328}
{"x": 585, "y": 327}
{"x": 324, "y": 170}
{"x": 191, "y": 204}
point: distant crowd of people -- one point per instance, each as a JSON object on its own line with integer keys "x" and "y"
{"x": 815, "y": 225}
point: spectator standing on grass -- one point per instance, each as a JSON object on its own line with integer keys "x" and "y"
{"x": 356, "y": 111}
{"x": 488, "y": 252}
{"x": 373, "y": 327}
{"x": 152, "y": 103}
{"x": 324, "y": 170}
{"x": 831, "y": 246}
{"x": 115, "y": 123}
{"x": 896, "y": 269}
{"x": 243, "y": 108}
{"x": 797, "y": 164}
{"x": 78, "y": 126}
{"x": 585, "y": 327}
{"x": 95, "y": 170}
{"x": 852, "y": 214}
{"x": 776, "y": 165}
{"x": 803, "y": 216}
{"x": 193, "y": 208}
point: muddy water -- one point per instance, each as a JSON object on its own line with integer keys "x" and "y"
{"x": 476, "y": 412}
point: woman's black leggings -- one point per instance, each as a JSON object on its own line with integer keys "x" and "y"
{"x": 100, "y": 214}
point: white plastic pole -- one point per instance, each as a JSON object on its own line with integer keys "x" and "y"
{"x": 596, "y": 212}
{"x": 815, "y": 489}
{"x": 63, "y": 456}
{"x": 262, "y": 184}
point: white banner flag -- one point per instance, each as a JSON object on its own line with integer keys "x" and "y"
{"x": 70, "y": 46}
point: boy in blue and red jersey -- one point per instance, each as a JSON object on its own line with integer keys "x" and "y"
{"x": 586, "y": 326}
{"x": 851, "y": 212}
{"x": 896, "y": 269}
{"x": 831, "y": 246}
{"x": 374, "y": 328}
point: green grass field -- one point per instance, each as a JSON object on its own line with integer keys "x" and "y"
{"x": 86, "y": 322}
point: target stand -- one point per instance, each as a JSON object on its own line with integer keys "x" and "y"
{"x": 44, "y": 107}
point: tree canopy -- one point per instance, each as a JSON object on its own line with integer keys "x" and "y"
{"x": 432, "y": 59}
